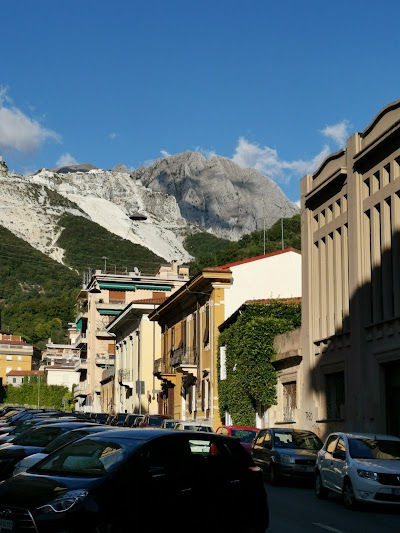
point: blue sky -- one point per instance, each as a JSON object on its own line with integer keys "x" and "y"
{"x": 272, "y": 85}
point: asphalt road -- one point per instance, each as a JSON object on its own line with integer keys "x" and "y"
{"x": 295, "y": 508}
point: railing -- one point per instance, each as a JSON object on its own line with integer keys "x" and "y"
{"x": 125, "y": 374}
{"x": 184, "y": 356}
{"x": 161, "y": 366}
{"x": 288, "y": 414}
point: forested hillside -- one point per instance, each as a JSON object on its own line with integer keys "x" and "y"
{"x": 37, "y": 294}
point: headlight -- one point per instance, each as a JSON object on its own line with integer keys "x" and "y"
{"x": 285, "y": 458}
{"x": 63, "y": 502}
{"x": 367, "y": 474}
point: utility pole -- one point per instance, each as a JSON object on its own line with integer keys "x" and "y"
{"x": 283, "y": 244}
{"x": 105, "y": 264}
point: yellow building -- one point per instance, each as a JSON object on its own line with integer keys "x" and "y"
{"x": 15, "y": 354}
{"x": 187, "y": 369}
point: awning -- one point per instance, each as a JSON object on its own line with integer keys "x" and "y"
{"x": 118, "y": 286}
{"x": 154, "y": 287}
{"x": 109, "y": 312}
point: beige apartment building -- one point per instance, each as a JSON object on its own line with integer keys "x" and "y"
{"x": 106, "y": 374}
{"x": 350, "y": 339}
{"x": 15, "y": 354}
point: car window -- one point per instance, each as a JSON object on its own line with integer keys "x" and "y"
{"x": 259, "y": 440}
{"x": 41, "y": 437}
{"x": 330, "y": 443}
{"x": 87, "y": 458}
{"x": 244, "y": 435}
{"x": 341, "y": 445}
{"x": 363, "y": 448}
{"x": 222, "y": 431}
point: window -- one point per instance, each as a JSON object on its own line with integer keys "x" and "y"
{"x": 9, "y": 357}
{"x": 330, "y": 445}
{"x": 289, "y": 401}
{"x": 335, "y": 395}
{"x": 206, "y": 337}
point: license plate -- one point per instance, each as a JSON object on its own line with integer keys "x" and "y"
{"x": 7, "y": 524}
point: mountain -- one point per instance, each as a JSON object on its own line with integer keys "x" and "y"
{"x": 178, "y": 196}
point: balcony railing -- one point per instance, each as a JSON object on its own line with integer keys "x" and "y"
{"x": 161, "y": 366}
{"x": 184, "y": 357}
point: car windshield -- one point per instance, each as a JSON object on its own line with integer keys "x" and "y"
{"x": 364, "y": 448}
{"x": 302, "y": 440}
{"x": 244, "y": 435}
{"x": 154, "y": 421}
{"x": 85, "y": 458}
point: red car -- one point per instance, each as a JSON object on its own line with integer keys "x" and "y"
{"x": 245, "y": 434}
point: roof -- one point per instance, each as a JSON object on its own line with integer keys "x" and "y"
{"x": 25, "y": 373}
{"x": 258, "y": 257}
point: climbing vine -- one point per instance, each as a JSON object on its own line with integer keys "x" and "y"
{"x": 250, "y": 375}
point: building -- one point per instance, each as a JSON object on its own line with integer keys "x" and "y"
{"x": 15, "y": 354}
{"x": 17, "y": 377}
{"x": 350, "y": 340}
{"x": 186, "y": 370}
{"x": 190, "y": 321}
{"x": 103, "y": 299}
{"x": 59, "y": 361}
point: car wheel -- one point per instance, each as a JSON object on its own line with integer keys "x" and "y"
{"x": 349, "y": 499}
{"x": 320, "y": 490}
{"x": 273, "y": 475}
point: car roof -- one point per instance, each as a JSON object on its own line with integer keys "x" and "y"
{"x": 240, "y": 427}
{"x": 147, "y": 434}
{"x": 373, "y": 436}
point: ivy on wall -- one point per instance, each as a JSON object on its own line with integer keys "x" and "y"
{"x": 250, "y": 375}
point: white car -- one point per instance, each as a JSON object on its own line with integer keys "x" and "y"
{"x": 362, "y": 467}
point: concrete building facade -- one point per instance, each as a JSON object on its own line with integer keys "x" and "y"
{"x": 350, "y": 341}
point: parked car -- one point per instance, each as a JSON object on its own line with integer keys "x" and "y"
{"x": 117, "y": 420}
{"x": 153, "y": 421}
{"x": 130, "y": 419}
{"x": 88, "y": 485}
{"x": 194, "y": 426}
{"x": 136, "y": 423}
{"x": 31, "y": 441}
{"x": 362, "y": 467}
{"x": 245, "y": 434}
{"x": 100, "y": 418}
{"x": 58, "y": 442}
{"x": 286, "y": 453}
{"x": 169, "y": 423}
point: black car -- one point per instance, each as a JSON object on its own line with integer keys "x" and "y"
{"x": 31, "y": 441}
{"x": 285, "y": 453}
{"x": 131, "y": 419}
{"x": 98, "y": 482}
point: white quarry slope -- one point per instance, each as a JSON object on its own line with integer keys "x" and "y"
{"x": 179, "y": 195}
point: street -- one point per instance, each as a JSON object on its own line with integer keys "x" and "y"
{"x": 294, "y": 507}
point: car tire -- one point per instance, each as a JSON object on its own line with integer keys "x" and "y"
{"x": 320, "y": 491}
{"x": 273, "y": 475}
{"x": 349, "y": 499}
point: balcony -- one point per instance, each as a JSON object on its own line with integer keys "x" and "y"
{"x": 161, "y": 366}
{"x": 81, "y": 364}
{"x": 184, "y": 359}
{"x": 80, "y": 339}
{"x": 125, "y": 377}
{"x": 107, "y": 374}
{"x": 82, "y": 389}
{"x": 105, "y": 360}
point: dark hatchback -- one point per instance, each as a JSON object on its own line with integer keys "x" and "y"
{"x": 286, "y": 453}
{"x": 31, "y": 441}
{"x": 101, "y": 481}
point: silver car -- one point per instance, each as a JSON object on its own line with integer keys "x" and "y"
{"x": 362, "y": 467}
{"x": 286, "y": 453}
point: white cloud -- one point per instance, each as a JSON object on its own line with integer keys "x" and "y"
{"x": 18, "y": 132}
{"x": 164, "y": 153}
{"x": 208, "y": 154}
{"x": 266, "y": 161}
{"x": 338, "y": 132}
{"x": 65, "y": 160}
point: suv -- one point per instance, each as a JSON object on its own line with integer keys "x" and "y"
{"x": 286, "y": 453}
{"x": 361, "y": 467}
